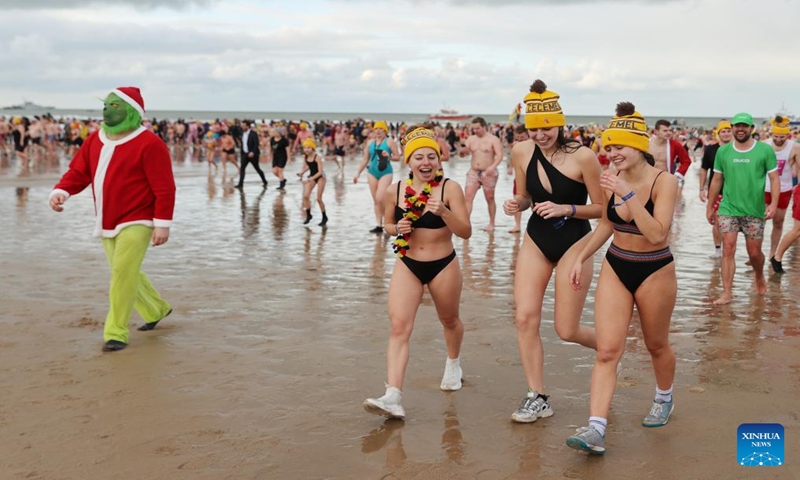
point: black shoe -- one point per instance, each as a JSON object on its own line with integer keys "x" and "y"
{"x": 114, "y": 346}
{"x": 283, "y": 184}
{"x": 324, "y": 219}
{"x": 265, "y": 185}
{"x": 149, "y": 326}
{"x": 239, "y": 186}
{"x": 308, "y": 217}
{"x": 377, "y": 229}
{"x": 776, "y": 265}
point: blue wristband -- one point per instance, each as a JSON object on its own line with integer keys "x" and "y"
{"x": 625, "y": 199}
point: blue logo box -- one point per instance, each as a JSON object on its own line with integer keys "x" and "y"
{"x": 760, "y": 445}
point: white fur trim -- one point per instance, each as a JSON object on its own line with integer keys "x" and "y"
{"x": 106, "y": 154}
{"x": 56, "y": 191}
{"x": 157, "y": 222}
{"x": 115, "y": 232}
{"x": 129, "y": 101}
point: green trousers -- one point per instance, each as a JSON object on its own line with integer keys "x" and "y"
{"x": 130, "y": 288}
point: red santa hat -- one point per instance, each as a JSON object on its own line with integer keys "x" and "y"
{"x": 132, "y": 96}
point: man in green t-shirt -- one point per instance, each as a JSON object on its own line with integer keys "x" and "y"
{"x": 743, "y": 166}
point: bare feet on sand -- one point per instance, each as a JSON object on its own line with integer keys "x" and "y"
{"x": 761, "y": 285}
{"x": 489, "y": 228}
{"x": 723, "y": 300}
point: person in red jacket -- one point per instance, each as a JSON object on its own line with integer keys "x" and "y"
{"x": 668, "y": 152}
{"x": 130, "y": 172}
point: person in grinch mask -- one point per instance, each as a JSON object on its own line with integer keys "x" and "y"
{"x": 130, "y": 171}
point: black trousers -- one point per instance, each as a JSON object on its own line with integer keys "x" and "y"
{"x": 254, "y": 161}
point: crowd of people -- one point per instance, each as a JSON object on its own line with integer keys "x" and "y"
{"x": 625, "y": 175}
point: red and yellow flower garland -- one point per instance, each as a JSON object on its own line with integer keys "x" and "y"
{"x": 415, "y": 205}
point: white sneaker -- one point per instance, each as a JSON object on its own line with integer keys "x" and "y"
{"x": 717, "y": 253}
{"x": 452, "y": 375}
{"x": 388, "y": 405}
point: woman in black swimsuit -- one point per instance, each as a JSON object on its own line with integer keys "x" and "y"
{"x": 425, "y": 212}
{"x": 312, "y": 163}
{"x": 554, "y": 176}
{"x": 638, "y": 269}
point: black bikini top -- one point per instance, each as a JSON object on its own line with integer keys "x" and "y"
{"x": 428, "y": 219}
{"x": 629, "y": 226}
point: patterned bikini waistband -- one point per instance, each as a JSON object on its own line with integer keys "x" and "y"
{"x": 623, "y": 227}
{"x": 653, "y": 256}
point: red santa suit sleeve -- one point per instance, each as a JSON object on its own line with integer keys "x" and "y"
{"x": 79, "y": 175}
{"x": 158, "y": 169}
{"x": 679, "y": 153}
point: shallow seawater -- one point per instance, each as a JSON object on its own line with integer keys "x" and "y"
{"x": 279, "y": 333}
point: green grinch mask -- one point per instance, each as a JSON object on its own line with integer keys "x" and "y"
{"x": 118, "y": 116}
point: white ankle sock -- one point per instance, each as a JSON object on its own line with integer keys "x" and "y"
{"x": 599, "y": 424}
{"x": 664, "y": 395}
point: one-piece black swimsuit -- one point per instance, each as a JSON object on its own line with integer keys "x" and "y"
{"x": 556, "y": 235}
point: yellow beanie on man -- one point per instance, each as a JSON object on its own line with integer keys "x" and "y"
{"x": 780, "y": 126}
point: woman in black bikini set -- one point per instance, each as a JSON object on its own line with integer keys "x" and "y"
{"x": 553, "y": 175}
{"x": 425, "y": 212}
{"x": 638, "y": 270}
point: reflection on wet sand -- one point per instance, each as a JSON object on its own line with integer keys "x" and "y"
{"x": 266, "y": 381}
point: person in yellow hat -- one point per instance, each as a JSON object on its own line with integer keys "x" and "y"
{"x": 723, "y": 136}
{"x": 424, "y": 211}
{"x": 788, "y": 155}
{"x": 378, "y": 154}
{"x": 555, "y": 176}
{"x": 638, "y": 270}
{"x": 303, "y": 134}
{"x": 785, "y": 151}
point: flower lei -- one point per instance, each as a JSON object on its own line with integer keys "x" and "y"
{"x": 415, "y": 204}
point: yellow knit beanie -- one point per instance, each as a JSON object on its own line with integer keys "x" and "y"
{"x": 627, "y": 128}
{"x": 542, "y": 109}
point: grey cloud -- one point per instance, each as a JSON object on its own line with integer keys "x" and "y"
{"x": 7, "y": 5}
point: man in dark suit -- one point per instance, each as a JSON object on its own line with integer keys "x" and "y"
{"x": 250, "y": 153}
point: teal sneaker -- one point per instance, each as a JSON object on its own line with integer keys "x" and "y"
{"x": 659, "y": 413}
{"x": 588, "y": 440}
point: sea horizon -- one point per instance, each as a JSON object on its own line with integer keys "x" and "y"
{"x": 257, "y": 115}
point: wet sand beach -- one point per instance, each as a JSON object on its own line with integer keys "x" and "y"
{"x": 279, "y": 333}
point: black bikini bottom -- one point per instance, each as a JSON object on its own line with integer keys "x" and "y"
{"x": 633, "y": 268}
{"x": 427, "y": 271}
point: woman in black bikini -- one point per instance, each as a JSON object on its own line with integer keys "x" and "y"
{"x": 424, "y": 212}
{"x": 312, "y": 163}
{"x": 554, "y": 176}
{"x": 638, "y": 269}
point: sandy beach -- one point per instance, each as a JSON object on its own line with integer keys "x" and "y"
{"x": 279, "y": 333}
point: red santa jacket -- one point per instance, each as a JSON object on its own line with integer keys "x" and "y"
{"x": 678, "y": 160}
{"x": 131, "y": 181}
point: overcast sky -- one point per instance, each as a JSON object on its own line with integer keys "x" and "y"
{"x": 676, "y": 58}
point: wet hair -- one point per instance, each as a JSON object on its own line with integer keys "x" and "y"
{"x": 479, "y": 120}
{"x": 520, "y": 128}
{"x": 565, "y": 144}
{"x": 662, "y": 122}
{"x": 649, "y": 158}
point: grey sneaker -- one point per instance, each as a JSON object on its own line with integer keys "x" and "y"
{"x": 589, "y": 440}
{"x": 659, "y": 413}
{"x": 532, "y": 408}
